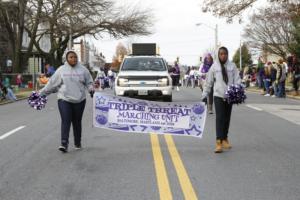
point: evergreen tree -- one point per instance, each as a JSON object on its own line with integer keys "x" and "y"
{"x": 246, "y": 57}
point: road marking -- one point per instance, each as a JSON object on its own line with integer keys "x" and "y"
{"x": 255, "y": 108}
{"x": 161, "y": 174}
{"x": 184, "y": 180}
{"x": 11, "y": 132}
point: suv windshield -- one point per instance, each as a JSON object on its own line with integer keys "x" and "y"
{"x": 143, "y": 64}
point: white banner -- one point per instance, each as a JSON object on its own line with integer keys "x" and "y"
{"x": 135, "y": 115}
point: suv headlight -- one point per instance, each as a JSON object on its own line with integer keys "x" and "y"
{"x": 122, "y": 82}
{"x": 163, "y": 82}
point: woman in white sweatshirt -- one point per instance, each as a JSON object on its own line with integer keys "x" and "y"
{"x": 222, "y": 74}
{"x": 70, "y": 81}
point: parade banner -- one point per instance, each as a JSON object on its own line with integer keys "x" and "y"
{"x": 141, "y": 116}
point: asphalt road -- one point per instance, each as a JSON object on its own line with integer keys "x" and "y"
{"x": 264, "y": 163}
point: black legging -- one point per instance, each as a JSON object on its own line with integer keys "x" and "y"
{"x": 211, "y": 97}
{"x": 296, "y": 83}
{"x": 223, "y": 114}
{"x": 71, "y": 113}
{"x": 175, "y": 79}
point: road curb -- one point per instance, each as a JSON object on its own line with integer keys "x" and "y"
{"x": 19, "y": 99}
{"x": 258, "y": 92}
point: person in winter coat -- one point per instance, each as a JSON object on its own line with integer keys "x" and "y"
{"x": 71, "y": 81}
{"x": 186, "y": 77}
{"x": 192, "y": 76}
{"x": 267, "y": 78}
{"x": 295, "y": 70}
{"x": 19, "y": 80}
{"x": 176, "y": 76}
{"x": 221, "y": 74}
{"x": 208, "y": 61}
{"x": 280, "y": 79}
{"x": 112, "y": 76}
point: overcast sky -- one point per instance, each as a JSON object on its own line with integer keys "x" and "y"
{"x": 176, "y": 33}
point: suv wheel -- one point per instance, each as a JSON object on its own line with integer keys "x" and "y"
{"x": 167, "y": 98}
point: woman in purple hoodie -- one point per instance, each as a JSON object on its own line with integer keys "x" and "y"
{"x": 176, "y": 76}
{"x": 208, "y": 61}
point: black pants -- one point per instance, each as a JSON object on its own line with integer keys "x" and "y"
{"x": 175, "y": 80}
{"x": 296, "y": 83}
{"x": 70, "y": 113}
{"x": 211, "y": 97}
{"x": 223, "y": 114}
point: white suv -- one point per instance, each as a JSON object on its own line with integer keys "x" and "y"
{"x": 144, "y": 76}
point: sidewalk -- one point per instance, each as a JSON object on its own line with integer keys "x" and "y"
{"x": 22, "y": 94}
{"x": 259, "y": 91}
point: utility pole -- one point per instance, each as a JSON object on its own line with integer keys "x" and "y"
{"x": 70, "y": 14}
{"x": 216, "y": 37}
{"x": 216, "y": 41}
{"x": 240, "y": 54}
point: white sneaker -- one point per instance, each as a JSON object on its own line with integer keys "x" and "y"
{"x": 267, "y": 95}
{"x": 177, "y": 88}
{"x": 273, "y": 96}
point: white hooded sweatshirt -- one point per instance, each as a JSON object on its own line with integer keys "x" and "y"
{"x": 70, "y": 82}
{"x": 214, "y": 78}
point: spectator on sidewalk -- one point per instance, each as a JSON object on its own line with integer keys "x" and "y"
{"x": 280, "y": 79}
{"x": 43, "y": 79}
{"x": 1, "y": 80}
{"x": 246, "y": 76}
{"x": 6, "y": 82}
{"x": 273, "y": 79}
{"x": 295, "y": 70}
{"x": 19, "y": 80}
{"x": 260, "y": 73}
{"x": 267, "y": 78}
{"x": 8, "y": 93}
{"x": 50, "y": 70}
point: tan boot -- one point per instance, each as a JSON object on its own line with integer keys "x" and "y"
{"x": 218, "y": 147}
{"x": 225, "y": 144}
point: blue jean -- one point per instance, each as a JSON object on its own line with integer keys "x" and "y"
{"x": 267, "y": 85}
{"x": 71, "y": 113}
{"x": 10, "y": 95}
{"x": 260, "y": 81}
{"x": 280, "y": 89}
{"x": 296, "y": 82}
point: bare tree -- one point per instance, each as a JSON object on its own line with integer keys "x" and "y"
{"x": 58, "y": 19}
{"x": 231, "y": 9}
{"x": 271, "y": 30}
{"x": 121, "y": 52}
{"x": 92, "y": 17}
{"x": 294, "y": 11}
{"x": 12, "y": 20}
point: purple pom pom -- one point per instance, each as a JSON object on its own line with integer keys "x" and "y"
{"x": 37, "y": 101}
{"x": 198, "y": 109}
{"x": 101, "y": 119}
{"x": 235, "y": 94}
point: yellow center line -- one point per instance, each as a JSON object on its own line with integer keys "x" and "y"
{"x": 161, "y": 174}
{"x": 184, "y": 180}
